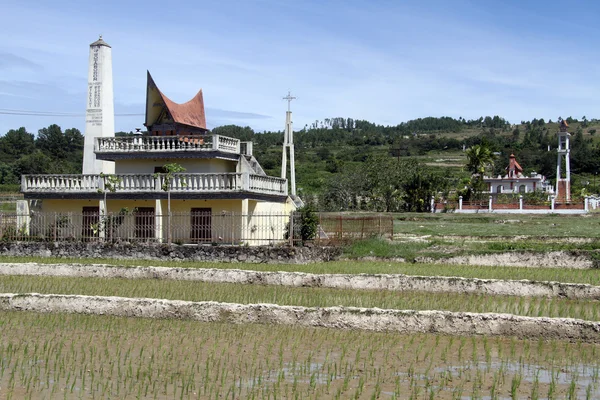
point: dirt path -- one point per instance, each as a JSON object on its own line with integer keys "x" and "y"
{"x": 297, "y": 279}
{"x": 372, "y": 319}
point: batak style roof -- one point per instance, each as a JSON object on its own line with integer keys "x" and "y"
{"x": 513, "y": 167}
{"x": 513, "y": 164}
{"x": 190, "y": 113}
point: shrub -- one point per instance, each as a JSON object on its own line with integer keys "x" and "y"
{"x": 309, "y": 223}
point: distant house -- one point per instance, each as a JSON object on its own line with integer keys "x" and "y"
{"x": 515, "y": 182}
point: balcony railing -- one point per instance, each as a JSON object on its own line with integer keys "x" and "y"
{"x": 152, "y": 183}
{"x": 162, "y": 144}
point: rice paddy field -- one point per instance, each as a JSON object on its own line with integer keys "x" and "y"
{"x": 495, "y": 225}
{"x": 73, "y": 356}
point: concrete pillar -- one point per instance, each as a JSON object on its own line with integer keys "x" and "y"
{"x": 460, "y": 203}
{"x": 245, "y": 181}
{"x": 432, "y": 205}
{"x": 586, "y": 204}
{"x": 158, "y": 221}
{"x": 23, "y": 217}
{"x": 245, "y": 218}
{"x": 102, "y": 219}
{"x": 490, "y": 204}
{"x": 552, "y": 202}
{"x": 521, "y": 203}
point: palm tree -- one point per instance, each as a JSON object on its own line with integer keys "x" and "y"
{"x": 479, "y": 157}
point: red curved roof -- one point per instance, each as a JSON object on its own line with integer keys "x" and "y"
{"x": 190, "y": 113}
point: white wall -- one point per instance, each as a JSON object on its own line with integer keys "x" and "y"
{"x": 200, "y": 165}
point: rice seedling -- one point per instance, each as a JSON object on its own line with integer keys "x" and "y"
{"x": 588, "y": 276}
{"x": 182, "y": 359}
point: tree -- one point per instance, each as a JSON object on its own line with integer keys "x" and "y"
{"x": 108, "y": 223}
{"x": 167, "y": 174}
{"x": 15, "y": 144}
{"x": 420, "y": 185}
{"x": 479, "y": 158}
{"x": 52, "y": 142}
{"x": 245, "y": 134}
{"x": 65, "y": 148}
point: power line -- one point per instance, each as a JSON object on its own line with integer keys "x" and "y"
{"x": 7, "y": 111}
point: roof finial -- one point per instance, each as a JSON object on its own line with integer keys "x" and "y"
{"x": 100, "y": 38}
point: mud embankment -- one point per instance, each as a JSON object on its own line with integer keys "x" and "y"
{"x": 550, "y": 259}
{"x": 392, "y": 282}
{"x": 372, "y": 319}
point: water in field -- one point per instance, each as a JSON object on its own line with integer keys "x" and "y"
{"x": 73, "y": 356}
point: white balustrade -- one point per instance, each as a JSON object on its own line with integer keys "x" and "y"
{"x": 153, "y": 144}
{"x": 268, "y": 184}
{"x": 147, "y": 183}
{"x": 227, "y": 144}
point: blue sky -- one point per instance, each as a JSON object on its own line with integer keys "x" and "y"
{"x": 383, "y": 61}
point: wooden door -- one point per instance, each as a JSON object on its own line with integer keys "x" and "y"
{"x": 201, "y": 225}
{"x": 144, "y": 223}
{"x": 89, "y": 222}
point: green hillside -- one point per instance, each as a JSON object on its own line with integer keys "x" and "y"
{"x": 348, "y": 164}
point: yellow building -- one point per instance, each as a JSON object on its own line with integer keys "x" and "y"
{"x": 222, "y": 196}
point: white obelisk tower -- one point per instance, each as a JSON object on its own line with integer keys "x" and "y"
{"x": 100, "y": 110}
{"x": 288, "y": 144}
{"x": 563, "y": 181}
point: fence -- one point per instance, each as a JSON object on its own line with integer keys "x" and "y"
{"x": 340, "y": 228}
{"x": 144, "y": 225}
{"x": 197, "y": 227}
{"x": 513, "y": 205}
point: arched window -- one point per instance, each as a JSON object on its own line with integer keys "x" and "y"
{"x": 522, "y": 189}
{"x": 499, "y": 189}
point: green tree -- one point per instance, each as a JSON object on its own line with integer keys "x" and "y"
{"x": 65, "y": 148}
{"x": 245, "y": 134}
{"x": 479, "y": 159}
{"x": 15, "y": 144}
{"x": 168, "y": 174}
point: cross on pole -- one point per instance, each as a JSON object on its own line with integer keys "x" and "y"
{"x": 289, "y": 99}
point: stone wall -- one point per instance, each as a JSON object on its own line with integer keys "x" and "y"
{"x": 153, "y": 251}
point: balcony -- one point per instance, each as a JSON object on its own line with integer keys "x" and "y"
{"x": 184, "y": 185}
{"x": 113, "y": 148}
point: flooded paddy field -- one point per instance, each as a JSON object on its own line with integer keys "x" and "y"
{"x": 77, "y": 356}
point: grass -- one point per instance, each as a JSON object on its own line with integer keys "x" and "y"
{"x": 588, "y": 276}
{"x": 309, "y": 297}
{"x": 440, "y": 248}
{"x": 493, "y": 225}
{"x": 74, "y": 356}
{"x": 8, "y": 206}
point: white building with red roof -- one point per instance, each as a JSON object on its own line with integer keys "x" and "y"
{"x": 516, "y": 182}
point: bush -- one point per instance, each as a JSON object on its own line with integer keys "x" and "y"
{"x": 309, "y": 223}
